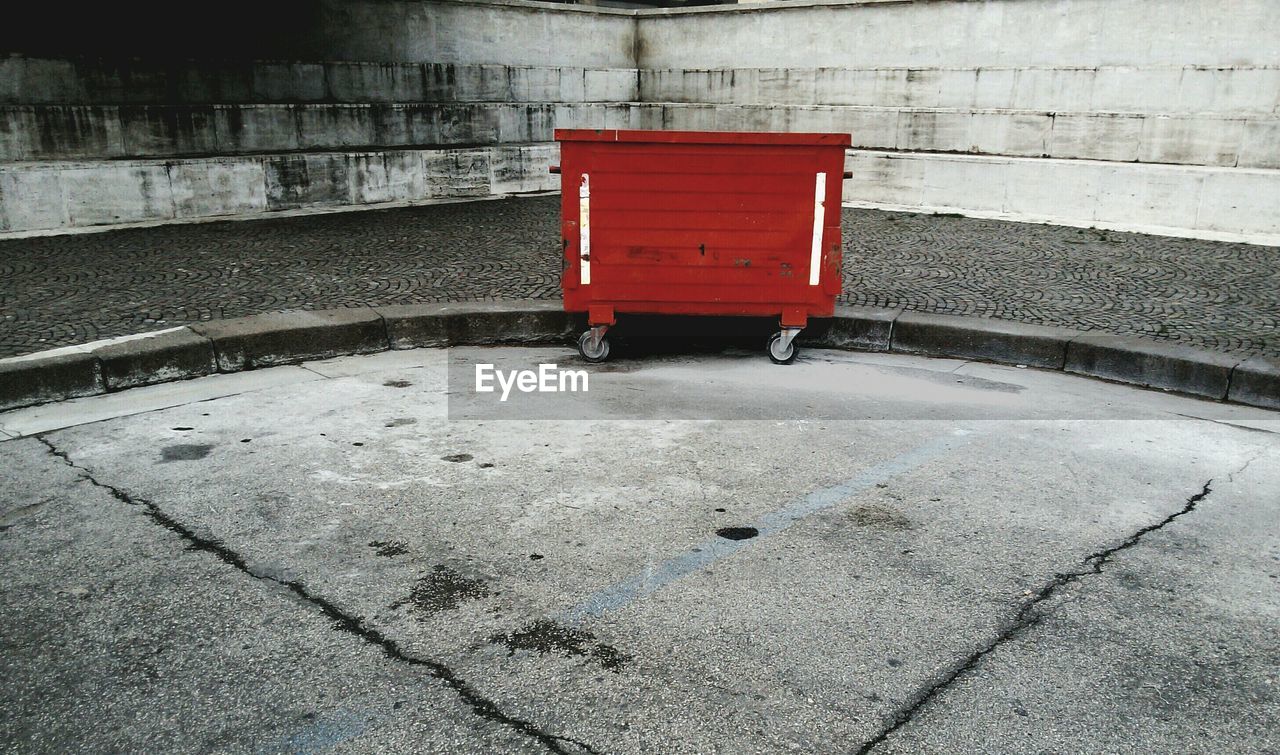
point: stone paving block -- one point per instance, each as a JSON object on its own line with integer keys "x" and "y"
{"x": 1256, "y": 381}
{"x": 255, "y": 128}
{"x": 327, "y": 126}
{"x": 123, "y": 193}
{"x": 507, "y": 322}
{"x": 33, "y": 381}
{"x": 857, "y": 328}
{"x": 221, "y": 186}
{"x": 294, "y": 181}
{"x": 288, "y": 82}
{"x": 32, "y": 199}
{"x": 980, "y": 338}
{"x": 174, "y": 355}
{"x": 60, "y": 132}
{"x": 374, "y": 82}
{"x": 166, "y": 131}
{"x": 1152, "y": 364}
{"x": 456, "y": 173}
{"x": 414, "y": 326}
{"x": 286, "y": 337}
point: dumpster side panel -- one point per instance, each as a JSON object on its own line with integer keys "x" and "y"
{"x": 701, "y": 227}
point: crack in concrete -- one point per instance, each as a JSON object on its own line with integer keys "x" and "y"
{"x": 1231, "y": 424}
{"x": 1026, "y": 617}
{"x": 480, "y": 705}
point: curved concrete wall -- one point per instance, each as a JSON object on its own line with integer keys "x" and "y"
{"x": 365, "y": 102}
{"x": 1157, "y": 115}
{"x": 509, "y": 33}
{"x": 956, "y": 33}
{"x": 1146, "y": 113}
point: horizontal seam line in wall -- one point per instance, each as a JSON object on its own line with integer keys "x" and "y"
{"x": 1038, "y": 158}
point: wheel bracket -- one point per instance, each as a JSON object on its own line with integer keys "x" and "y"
{"x": 788, "y": 335}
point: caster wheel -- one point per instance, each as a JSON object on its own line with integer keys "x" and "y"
{"x": 778, "y": 354}
{"x": 591, "y": 349}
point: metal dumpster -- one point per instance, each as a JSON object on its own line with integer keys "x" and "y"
{"x": 700, "y": 223}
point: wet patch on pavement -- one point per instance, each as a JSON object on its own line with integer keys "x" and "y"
{"x": 442, "y": 590}
{"x": 185, "y": 452}
{"x": 390, "y": 547}
{"x": 737, "y": 533}
{"x": 545, "y": 636}
{"x": 883, "y": 517}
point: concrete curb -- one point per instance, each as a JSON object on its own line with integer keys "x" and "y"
{"x": 297, "y": 336}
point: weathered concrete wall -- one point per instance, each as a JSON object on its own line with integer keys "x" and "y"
{"x": 363, "y": 102}
{"x": 949, "y": 34}
{"x": 1166, "y": 105}
{"x": 1229, "y": 90}
{"x": 384, "y": 31}
{"x": 1186, "y": 139}
{"x": 474, "y": 31}
{"x": 1168, "y": 199}
{"x": 69, "y": 194}
{"x": 1135, "y": 113}
{"x": 57, "y": 132}
{"x": 96, "y": 81}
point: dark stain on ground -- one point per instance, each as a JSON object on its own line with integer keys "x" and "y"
{"x": 457, "y": 457}
{"x": 737, "y": 533}
{"x": 880, "y": 516}
{"x": 546, "y": 636}
{"x": 397, "y": 384}
{"x": 401, "y": 422}
{"x": 185, "y": 452}
{"x": 390, "y": 547}
{"x": 614, "y": 367}
{"x": 443, "y": 590}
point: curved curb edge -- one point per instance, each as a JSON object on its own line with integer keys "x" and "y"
{"x": 268, "y": 340}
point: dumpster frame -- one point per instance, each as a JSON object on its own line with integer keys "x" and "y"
{"x": 746, "y": 198}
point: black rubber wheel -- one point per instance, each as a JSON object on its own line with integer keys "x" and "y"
{"x": 775, "y": 351}
{"x": 593, "y": 352}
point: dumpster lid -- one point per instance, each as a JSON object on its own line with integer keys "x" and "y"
{"x": 698, "y": 137}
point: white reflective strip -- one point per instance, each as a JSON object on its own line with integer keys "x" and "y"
{"x": 819, "y": 212}
{"x": 584, "y": 230}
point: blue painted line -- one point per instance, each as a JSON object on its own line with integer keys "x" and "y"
{"x": 325, "y": 733}
{"x": 707, "y": 552}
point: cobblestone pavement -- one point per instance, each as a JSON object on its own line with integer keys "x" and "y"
{"x": 70, "y": 289}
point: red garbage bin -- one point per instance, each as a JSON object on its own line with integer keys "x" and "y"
{"x": 700, "y": 223}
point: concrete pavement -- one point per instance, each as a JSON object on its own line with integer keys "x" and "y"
{"x": 957, "y": 556}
